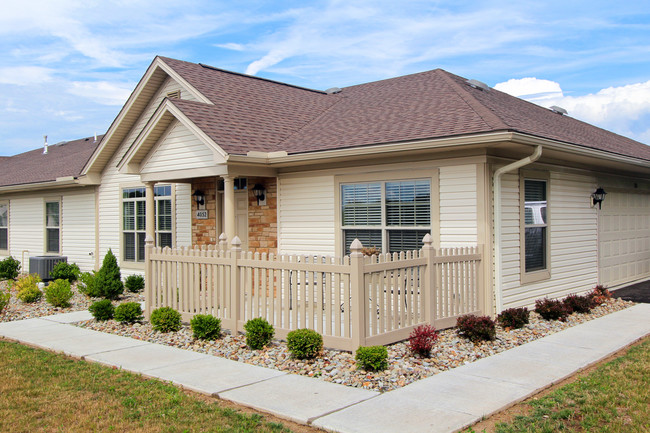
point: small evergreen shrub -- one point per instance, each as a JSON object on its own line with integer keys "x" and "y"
{"x": 205, "y": 327}
{"x": 27, "y": 288}
{"x": 102, "y": 310}
{"x": 304, "y": 343}
{"x": 108, "y": 279}
{"x": 259, "y": 333}
{"x": 65, "y": 271}
{"x": 422, "y": 339}
{"x": 477, "y": 328}
{"x": 165, "y": 319}
{"x": 372, "y": 358}
{"x": 5, "y": 297}
{"x": 551, "y": 309}
{"x": 87, "y": 285}
{"x": 134, "y": 283}
{"x": 9, "y": 268}
{"x": 128, "y": 312}
{"x": 58, "y": 293}
{"x": 513, "y": 317}
{"x": 600, "y": 294}
{"x": 578, "y": 304}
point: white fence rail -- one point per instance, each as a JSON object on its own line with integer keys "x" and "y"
{"x": 352, "y": 301}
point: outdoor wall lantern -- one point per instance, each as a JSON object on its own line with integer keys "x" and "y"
{"x": 597, "y": 197}
{"x": 199, "y": 197}
{"x": 259, "y": 192}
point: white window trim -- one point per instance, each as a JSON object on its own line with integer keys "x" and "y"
{"x": 432, "y": 175}
{"x": 542, "y": 274}
{"x": 47, "y": 200}
{"x": 127, "y": 264}
{"x": 2, "y": 250}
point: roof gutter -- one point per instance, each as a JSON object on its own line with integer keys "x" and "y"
{"x": 58, "y": 183}
{"x": 498, "y": 263}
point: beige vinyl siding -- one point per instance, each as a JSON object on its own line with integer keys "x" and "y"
{"x": 458, "y": 201}
{"x": 179, "y": 149}
{"x": 26, "y": 228}
{"x": 109, "y": 189}
{"x": 78, "y": 229}
{"x": 183, "y": 215}
{"x": 573, "y": 240}
{"x": 306, "y": 215}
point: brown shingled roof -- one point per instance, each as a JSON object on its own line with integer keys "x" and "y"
{"x": 251, "y": 113}
{"x": 62, "y": 160}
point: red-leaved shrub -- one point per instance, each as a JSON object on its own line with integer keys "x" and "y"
{"x": 513, "y": 317}
{"x": 422, "y": 339}
{"x": 477, "y": 328}
{"x": 551, "y": 309}
{"x": 579, "y": 304}
{"x": 600, "y": 294}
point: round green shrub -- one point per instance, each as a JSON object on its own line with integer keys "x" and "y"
{"x": 372, "y": 358}
{"x": 259, "y": 333}
{"x": 27, "y": 288}
{"x": 304, "y": 343}
{"x": 108, "y": 279}
{"x": 128, "y": 312}
{"x": 205, "y": 327}
{"x": 9, "y": 268}
{"x": 5, "y": 297}
{"x": 134, "y": 283}
{"x": 87, "y": 285}
{"x": 58, "y": 293}
{"x": 165, "y": 319}
{"x": 102, "y": 310}
{"x": 65, "y": 271}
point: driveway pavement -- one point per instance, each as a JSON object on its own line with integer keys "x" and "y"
{"x": 639, "y": 292}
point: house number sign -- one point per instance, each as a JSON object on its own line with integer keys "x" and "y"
{"x": 201, "y": 214}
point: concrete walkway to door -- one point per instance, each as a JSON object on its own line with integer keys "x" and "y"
{"x": 445, "y": 402}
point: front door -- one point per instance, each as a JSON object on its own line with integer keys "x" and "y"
{"x": 241, "y": 217}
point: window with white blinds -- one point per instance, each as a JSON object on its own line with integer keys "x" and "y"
{"x": 4, "y": 226}
{"x": 134, "y": 220}
{"x": 535, "y": 224}
{"x": 52, "y": 225}
{"x": 391, "y": 216}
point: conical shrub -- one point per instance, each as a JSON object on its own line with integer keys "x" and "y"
{"x": 108, "y": 280}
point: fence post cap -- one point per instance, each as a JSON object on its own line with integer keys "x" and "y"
{"x": 223, "y": 237}
{"x": 427, "y": 240}
{"x": 236, "y": 242}
{"x": 355, "y": 248}
{"x": 148, "y": 240}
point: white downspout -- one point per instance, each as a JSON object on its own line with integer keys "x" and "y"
{"x": 498, "y": 265}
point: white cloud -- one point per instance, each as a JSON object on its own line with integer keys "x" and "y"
{"x": 231, "y": 46}
{"x": 25, "y": 75}
{"x": 623, "y": 109}
{"x": 102, "y": 92}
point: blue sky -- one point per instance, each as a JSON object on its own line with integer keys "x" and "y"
{"x": 68, "y": 66}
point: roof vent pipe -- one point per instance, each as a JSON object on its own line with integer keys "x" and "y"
{"x": 45, "y": 145}
{"x": 498, "y": 263}
{"x": 95, "y": 138}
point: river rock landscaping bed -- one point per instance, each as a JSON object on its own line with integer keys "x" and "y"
{"x": 335, "y": 366}
{"x": 18, "y": 310}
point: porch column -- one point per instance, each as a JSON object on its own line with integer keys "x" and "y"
{"x": 150, "y": 212}
{"x": 229, "y": 206}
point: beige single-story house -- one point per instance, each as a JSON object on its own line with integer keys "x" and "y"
{"x": 198, "y": 151}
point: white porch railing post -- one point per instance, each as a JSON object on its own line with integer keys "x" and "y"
{"x": 235, "y": 284}
{"x": 148, "y": 277}
{"x": 358, "y": 295}
{"x": 429, "y": 280}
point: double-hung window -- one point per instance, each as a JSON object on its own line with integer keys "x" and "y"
{"x": 4, "y": 226}
{"x": 134, "y": 220}
{"x": 52, "y": 226}
{"x": 535, "y": 223}
{"x": 388, "y": 215}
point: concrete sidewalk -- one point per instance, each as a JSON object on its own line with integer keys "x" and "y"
{"x": 445, "y": 402}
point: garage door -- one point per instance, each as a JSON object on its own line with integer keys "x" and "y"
{"x": 624, "y": 238}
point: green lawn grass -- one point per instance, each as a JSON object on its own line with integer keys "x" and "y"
{"x": 45, "y": 392}
{"x": 615, "y": 397}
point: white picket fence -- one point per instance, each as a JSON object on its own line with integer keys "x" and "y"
{"x": 352, "y": 301}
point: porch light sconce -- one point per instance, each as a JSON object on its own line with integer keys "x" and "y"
{"x": 199, "y": 197}
{"x": 259, "y": 192}
{"x": 597, "y": 197}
